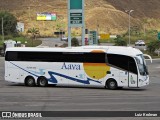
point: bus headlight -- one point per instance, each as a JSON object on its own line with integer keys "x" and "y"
{"x": 140, "y": 80}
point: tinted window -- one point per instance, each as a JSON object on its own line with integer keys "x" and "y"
{"x": 56, "y": 57}
{"x": 132, "y": 65}
{"x": 122, "y": 62}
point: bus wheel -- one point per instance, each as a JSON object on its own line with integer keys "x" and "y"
{"x": 111, "y": 84}
{"x": 29, "y": 81}
{"x": 42, "y": 82}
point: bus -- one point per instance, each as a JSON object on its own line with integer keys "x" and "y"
{"x": 111, "y": 67}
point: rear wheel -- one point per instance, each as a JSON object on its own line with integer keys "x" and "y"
{"x": 29, "y": 81}
{"x": 111, "y": 84}
{"x": 42, "y": 82}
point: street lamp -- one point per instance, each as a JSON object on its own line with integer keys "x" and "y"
{"x": 2, "y": 29}
{"x": 129, "y": 29}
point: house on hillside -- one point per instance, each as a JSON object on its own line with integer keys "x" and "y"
{"x": 20, "y": 27}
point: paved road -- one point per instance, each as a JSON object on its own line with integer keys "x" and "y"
{"x": 20, "y": 98}
{"x": 51, "y": 42}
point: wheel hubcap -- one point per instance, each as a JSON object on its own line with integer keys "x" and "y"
{"x": 112, "y": 84}
{"x": 42, "y": 82}
{"x": 30, "y": 81}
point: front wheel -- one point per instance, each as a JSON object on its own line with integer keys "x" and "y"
{"x": 42, "y": 82}
{"x": 111, "y": 84}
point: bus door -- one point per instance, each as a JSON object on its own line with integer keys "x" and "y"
{"x": 133, "y": 80}
{"x": 133, "y": 73}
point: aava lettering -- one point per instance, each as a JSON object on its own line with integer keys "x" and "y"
{"x": 71, "y": 66}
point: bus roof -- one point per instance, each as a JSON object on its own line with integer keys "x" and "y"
{"x": 129, "y": 51}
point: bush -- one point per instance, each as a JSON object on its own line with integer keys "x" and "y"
{"x": 152, "y": 46}
{"x": 119, "y": 41}
{"x": 75, "y": 42}
{"x": 9, "y": 23}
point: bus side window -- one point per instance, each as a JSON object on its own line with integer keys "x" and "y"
{"x": 132, "y": 65}
{"x": 123, "y": 62}
{"x": 119, "y": 61}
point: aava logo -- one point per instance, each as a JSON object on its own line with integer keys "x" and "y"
{"x": 71, "y": 66}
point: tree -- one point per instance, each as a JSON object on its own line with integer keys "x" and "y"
{"x": 119, "y": 41}
{"x": 60, "y": 26}
{"x": 9, "y": 23}
{"x": 152, "y": 46}
{"x": 34, "y": 32}
{"x": 75, "y": 42}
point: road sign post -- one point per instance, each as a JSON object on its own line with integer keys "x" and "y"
{"x": 76, "y": 18}
{"x": 158, "y": 35}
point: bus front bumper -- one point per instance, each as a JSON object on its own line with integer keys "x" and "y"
{"x": 144, "y": 81}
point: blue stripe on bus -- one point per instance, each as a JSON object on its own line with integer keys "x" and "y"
{"x": 73, "y": 79}
{"x": 54, "y": 80}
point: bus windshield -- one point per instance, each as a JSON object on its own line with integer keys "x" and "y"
{"x": 141, "y": 65}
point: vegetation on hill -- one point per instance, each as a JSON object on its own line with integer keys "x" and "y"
{"x": 9, "y": 23}
{"x": 10, "y": 31}
{"x": 106, "y": 16}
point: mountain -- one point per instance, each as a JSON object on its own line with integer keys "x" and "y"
{"x": 106, "y": 16}
{"x": 142, "y": 8}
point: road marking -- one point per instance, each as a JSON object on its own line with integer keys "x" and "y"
{"x": 158, "y": 67}
{"x": 33, "y": 105}
{"x": 154, "y": 59}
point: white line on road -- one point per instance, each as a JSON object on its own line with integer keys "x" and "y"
{"x": 154, "y": 59}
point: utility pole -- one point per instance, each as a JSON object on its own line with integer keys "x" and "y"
{"x": 2, "y": 31}
{"x": 29, "y": 12}
{"x": 129, "y": 26}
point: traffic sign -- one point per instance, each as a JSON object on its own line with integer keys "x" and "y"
{"x": 76, "y": 14}
{"x": 93, "y": 37}
{"x": 158, "y": 35}
{"x": 75, "y": 18}
{"x": 76, "y": 22}
{"x": 104, "y": 36}
{"x": 75, "y": 4}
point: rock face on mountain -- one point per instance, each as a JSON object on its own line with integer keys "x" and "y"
{"x": 106, "y": 16}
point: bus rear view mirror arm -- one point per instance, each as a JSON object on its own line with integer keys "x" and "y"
{"x": 148, "y": 57}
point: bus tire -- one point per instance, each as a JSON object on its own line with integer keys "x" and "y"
{"x": 42, "y": 82}
{"x": 111, "y": 84}
{"x": 30, "y": 81}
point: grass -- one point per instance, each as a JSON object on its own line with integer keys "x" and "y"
{"x": 151, "y": 35}
{"x": 22, "y": 39}
{"x": 111, "y": 40}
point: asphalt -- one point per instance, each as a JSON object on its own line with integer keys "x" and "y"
{"x": 17, "y": 97}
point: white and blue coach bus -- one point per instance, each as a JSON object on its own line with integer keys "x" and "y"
{"x": 107, "y": 66}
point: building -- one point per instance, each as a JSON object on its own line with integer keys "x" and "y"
{"x": 20, "y": 27}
